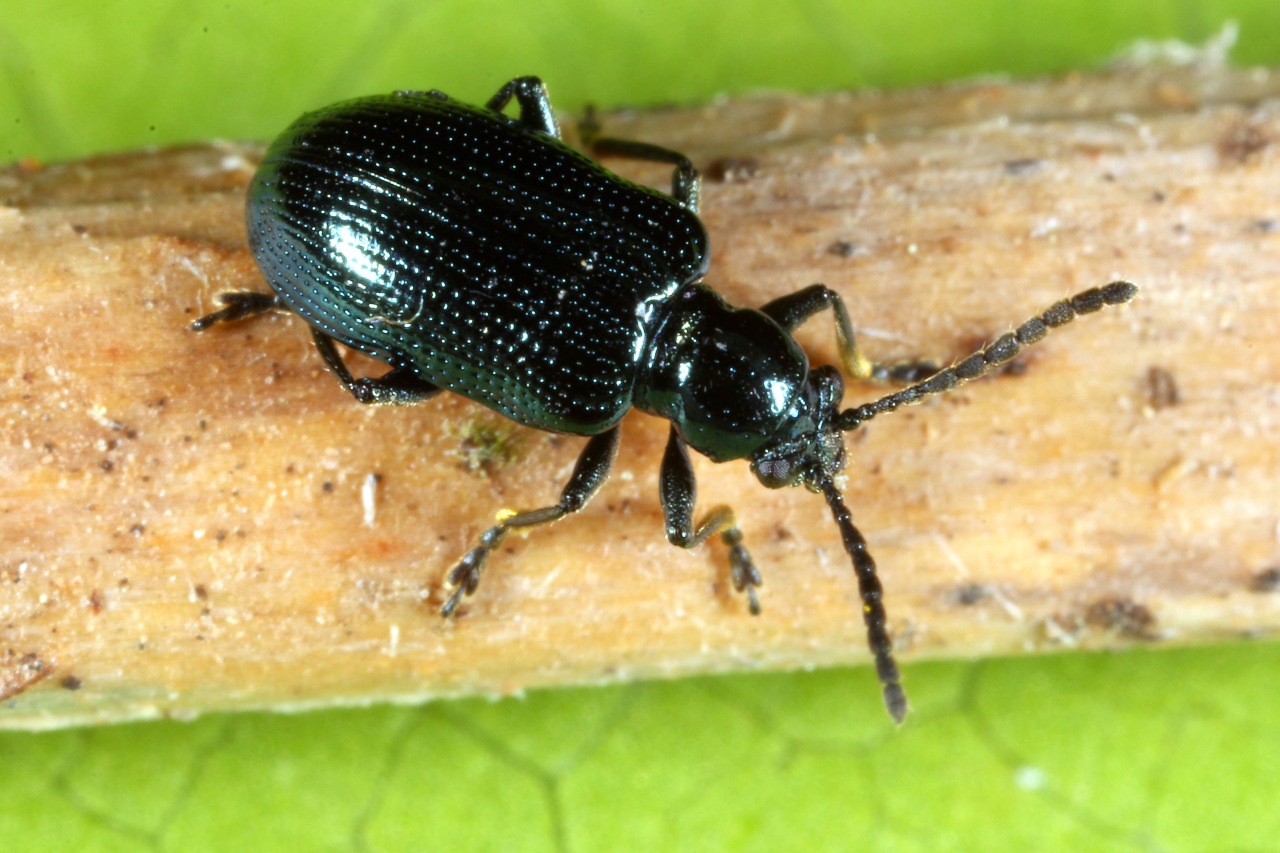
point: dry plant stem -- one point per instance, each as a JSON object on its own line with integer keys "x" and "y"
{"x": 199, "y": 522}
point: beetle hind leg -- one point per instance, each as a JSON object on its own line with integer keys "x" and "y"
{"x": 399, "y": 386}
{"x": 678, "y": 490}
{"x": 588, "y": 476}
{"x": 240, "y": 304}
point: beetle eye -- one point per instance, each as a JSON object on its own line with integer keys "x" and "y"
{"x": 773, "y": 473}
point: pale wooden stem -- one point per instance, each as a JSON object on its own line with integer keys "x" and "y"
{"x": 198, "y": 522}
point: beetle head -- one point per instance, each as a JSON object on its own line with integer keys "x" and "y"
{"x": 810, "y": 449}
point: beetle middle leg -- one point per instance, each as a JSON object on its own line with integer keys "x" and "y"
{"x": 397, "y": 387}
{"x": 589, "y": 474}
{"x": 678, "y": 493}
{"x": 793, "y": 309}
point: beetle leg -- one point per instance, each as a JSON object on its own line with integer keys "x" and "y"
{"x": 686, "y": 185}
{"x": 793, "y": 309}
{"x": 535, "y": 105}
{"x": 240, "y": 304}
{"x": 398, "y": 387}
{"x": 589, "y": 474}
{"x": 678, "y": 493}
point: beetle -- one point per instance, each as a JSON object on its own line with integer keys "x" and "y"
{"x": 475, "y": 252}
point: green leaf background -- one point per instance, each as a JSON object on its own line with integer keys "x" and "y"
{"x": 1153, "y": 751}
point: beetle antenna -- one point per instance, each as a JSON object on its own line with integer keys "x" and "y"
{"x": 895, "y": 699}
{"x": 1004, "y": 348}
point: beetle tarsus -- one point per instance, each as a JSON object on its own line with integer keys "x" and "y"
{"x": 590, "y": 472}
{"x": 746, "y": 577}
{"x": 903, "y": 372}
{"x": 240, "y": 304}
{"x": 400, "y": 386}
{"x": 465, "y": 576}
{"x": 451, "y": 606}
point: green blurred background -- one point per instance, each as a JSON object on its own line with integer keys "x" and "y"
{"x": 1153, "y": 751}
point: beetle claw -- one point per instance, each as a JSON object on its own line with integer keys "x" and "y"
{"x": 452, "y": 604}
{"x": 465, "y": 578}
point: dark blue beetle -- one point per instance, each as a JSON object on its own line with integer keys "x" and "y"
{"x": 476, "y": 253}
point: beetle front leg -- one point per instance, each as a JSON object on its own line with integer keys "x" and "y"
{"x": 793, "y": 309}
{"x": 535, "y": 105}
{"x": 397, "y": 387}
{"x": 677, "y": 491}
{"x": 588, "y": 476}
